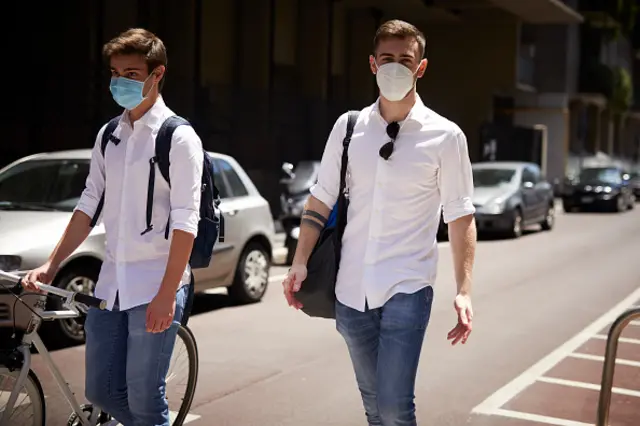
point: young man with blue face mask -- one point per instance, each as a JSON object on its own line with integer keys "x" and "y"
{"x": 145, "y": 276}
{"x": 405, "y": 162}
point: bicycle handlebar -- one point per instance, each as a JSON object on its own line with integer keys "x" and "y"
{"x": 71, "y": 296}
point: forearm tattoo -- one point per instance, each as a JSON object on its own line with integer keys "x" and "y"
{"x": 312, "y": 222}
{"x": 315, "y": 215}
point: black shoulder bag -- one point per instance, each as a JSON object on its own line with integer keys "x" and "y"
{"x": 318, "y": 291}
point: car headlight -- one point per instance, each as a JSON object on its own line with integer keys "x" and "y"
{"x": 607, "y": 189}
{"x": 10, "y": 263}
{"x": 494, "y": 207}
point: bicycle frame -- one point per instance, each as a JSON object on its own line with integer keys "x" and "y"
{"x": 30, "y": 337}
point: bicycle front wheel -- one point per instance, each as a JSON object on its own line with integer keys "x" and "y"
{"x": 29, "y": 409}
{"x": 182, "y": 376}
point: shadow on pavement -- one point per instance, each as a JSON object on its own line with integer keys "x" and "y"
{"x": 204, "y": 303}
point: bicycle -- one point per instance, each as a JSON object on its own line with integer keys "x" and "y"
{"x": 19, "y": 331}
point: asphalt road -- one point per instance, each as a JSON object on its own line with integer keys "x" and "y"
{"x": 541, "y": 306}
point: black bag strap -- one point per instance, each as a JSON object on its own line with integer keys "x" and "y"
{"x": 341, "y": 218}
{"x": 162, "y": 149}
{"x": 107, "y": 136}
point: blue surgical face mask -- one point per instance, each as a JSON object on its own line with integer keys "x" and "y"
{"x": 127, "y": 92}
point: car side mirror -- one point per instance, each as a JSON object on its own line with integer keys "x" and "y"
{"x": 527, "y": 185}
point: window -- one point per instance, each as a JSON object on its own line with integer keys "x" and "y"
{"x": 607, "y": 175}
{"x": 219, "y": 181}
{"x": 56, "y": 184}
{"x": 235, "y": 183}
{"x": 492, "y": 177}
{"x": 528, "y": 175}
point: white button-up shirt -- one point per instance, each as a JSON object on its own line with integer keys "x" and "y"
{"x": 135, "y": 264}
{"x": 389, "y": 244}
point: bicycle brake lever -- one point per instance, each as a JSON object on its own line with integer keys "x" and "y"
{"x": 82, "y": 308}
{"x": 69, "y": 304}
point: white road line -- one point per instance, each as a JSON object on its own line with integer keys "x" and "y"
{"x": 190, "y": 417}
{"x": 599, "y": 358}
{"x": 517, "y": 385}
{"x": 635, "y": 322}
{"x": 173, "y": 414}
{"x": 583, "y": 385}
{"x": 537, "y": 418}
{"x": 223, "y": 290}
{"x": 621, "y": 339}
{"x": 277, "y": 278}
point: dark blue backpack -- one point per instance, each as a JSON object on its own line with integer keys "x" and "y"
{"x": 211, "y": 225}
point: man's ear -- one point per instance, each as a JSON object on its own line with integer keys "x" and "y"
{"x": 422, "y": 68}
{"x": 159, "y": 73}
{"x": 372, "y": 64}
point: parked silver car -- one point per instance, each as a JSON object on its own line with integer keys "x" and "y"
{"x": 38, "y": 194}
{"x": 508, "y": 197}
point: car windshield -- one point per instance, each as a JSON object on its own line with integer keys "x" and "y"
{"x": 600, "y": 174}
{"x": 49, "y": 185}
{"x": 492, "y": 177}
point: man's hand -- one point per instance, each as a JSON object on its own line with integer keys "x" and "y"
{"x": 297, "y": 274}
{"x": 161, "y": 311}
{"x": 462, "y": 330}
{"x": 43, "y": 274}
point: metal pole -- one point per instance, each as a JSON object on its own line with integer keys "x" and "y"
{"x": 608, "y": 369}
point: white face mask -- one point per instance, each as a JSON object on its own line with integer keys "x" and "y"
{"x": 394, "y": 80}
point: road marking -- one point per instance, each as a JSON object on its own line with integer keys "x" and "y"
{"x": 538, "y": 418}
{"x": 173, "y": 414}
{"x": 600, "y": 358}
{"x": 583, "y": 385}
{"x": 190, "y": 417}
{"x": 507, "y": 392}
{"x": 621, "y": 339}
{"x": 635, "y": 322}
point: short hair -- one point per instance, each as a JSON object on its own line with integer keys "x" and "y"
{"x": 402, "y": 30}
{"x": 138, "y": 41}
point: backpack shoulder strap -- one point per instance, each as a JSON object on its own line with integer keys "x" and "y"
{"x": 163, "y": 143}
{"x": 107, "y": 135}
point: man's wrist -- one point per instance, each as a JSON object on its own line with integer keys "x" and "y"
{"x": 167, "y": 288}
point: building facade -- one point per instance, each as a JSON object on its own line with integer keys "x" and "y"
{"x": 264, "y": 80}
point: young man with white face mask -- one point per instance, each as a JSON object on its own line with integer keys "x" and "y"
{"x": 405, "y": 161}
{"x": 145, "y": 275}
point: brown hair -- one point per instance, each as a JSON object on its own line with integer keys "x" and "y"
{"x": 138, "y": 41}
{"x": 400, "y": 29}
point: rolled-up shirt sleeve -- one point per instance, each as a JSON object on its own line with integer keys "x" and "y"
{"x": 455, "y": 177}
{"x": 186, "y": 157}
{"x": 95, "y": 183}
{"x": 328, "y": 185}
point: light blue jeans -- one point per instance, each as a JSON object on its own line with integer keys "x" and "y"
{"x": 126, "y": 365}
{"x": 385, "y": 345}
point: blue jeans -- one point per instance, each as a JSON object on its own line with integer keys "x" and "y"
{"x": 384, "y": 345}
{"x": 126, "y": 365}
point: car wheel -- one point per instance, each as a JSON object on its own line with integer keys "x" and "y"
{"x": 252, "y": 274}
{"x": 81, "y": 278}
{"x": 550, "y": 218}
{"x": 516, "y": 224}
{"x": 619, "y": 204}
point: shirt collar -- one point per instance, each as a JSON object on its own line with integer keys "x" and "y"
{"x": 152, "y": 118}
{"x": 416, "y": 114}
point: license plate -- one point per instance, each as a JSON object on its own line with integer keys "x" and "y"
{"x": 587, "y": 199}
